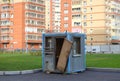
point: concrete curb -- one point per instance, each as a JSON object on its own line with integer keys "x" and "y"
{"x": 19, "y": 72}
{"x": 39, "y": 70}
{"x": 104, "y": 69}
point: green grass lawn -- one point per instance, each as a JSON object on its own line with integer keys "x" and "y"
{"x": 19, "y": 62}
{"x": 103, "y": 60}
{"x": 16, "y": 61}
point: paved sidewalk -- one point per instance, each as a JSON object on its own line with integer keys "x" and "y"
{"x": 85, "y": 76}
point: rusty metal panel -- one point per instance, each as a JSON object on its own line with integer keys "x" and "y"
{"x": 64, "y": 54}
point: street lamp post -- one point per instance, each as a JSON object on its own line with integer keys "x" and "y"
{"x": 26, "y": 33}
{"x": 26, "y": 42}
{"x": 108, "y": 38}
{"x": 91, "y": 39}
{"x": 14, "y": 46}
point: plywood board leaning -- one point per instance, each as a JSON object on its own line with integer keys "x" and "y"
{"x": 64, "y": 54}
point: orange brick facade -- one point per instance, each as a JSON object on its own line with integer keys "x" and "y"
{"x": 26, "y": 25}
{"x": 66, "y": 25}
{"x": 23, "y": 22}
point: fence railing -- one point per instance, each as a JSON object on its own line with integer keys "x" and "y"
{"x": 20, "y": 51}
{"x": 115, "y": 49}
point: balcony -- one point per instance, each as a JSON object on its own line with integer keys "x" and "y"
{"x": 115, "y": 38}
{"x": 5, "y": 41}
{"x": 108, "y": 4}
{"x": 115, "y": 41}
{"x": 34, "y": 41}
{"x": 5, "y": 31}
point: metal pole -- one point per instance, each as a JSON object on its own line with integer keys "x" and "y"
{"x": 26, "y": 45}
{"x": 91, "y": 39}
{"x": 26, "y": 35}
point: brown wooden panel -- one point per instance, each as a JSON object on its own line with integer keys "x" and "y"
{"x": 64, "y": 54}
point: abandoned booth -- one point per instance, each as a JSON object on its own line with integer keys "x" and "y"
{"x": 63, "y": 52}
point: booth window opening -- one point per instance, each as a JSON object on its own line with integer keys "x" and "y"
{"x": 76, "y": 46}
{"x": 49, "y": 44}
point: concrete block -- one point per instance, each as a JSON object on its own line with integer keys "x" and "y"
{"x": 108, "y": 52}
{"x": 27, "y": 72}
{"x": 1, "y": 73}
{"x": 12, "y": 72}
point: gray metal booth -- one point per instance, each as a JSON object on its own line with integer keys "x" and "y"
{"x": 63, "y": 50}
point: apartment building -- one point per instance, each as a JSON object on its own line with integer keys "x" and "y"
{"x": 66, "y": 15}
{"x": 113, "y": 16}
{"x": 94, "y": 22}
{"x": 22, "y": 23}
{"x": 102, "y": 21}
{"x": 77, "y": 16}
{"x": 53, "y": 16}
{"x": 98, "y": 19}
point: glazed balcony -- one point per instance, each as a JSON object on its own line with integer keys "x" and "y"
{"x": 34, "y": 41}
{"x": 5, "y": 41}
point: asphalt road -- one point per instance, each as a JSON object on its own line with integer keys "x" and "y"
{"x": 85, "y": 76}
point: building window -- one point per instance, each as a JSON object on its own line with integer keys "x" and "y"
{"x": 76, "y": 9}
{"x": 84, "y": 17}
{"x": 31, "y": 29}
{"x": 5, "y": 0}
{"x": 91, "y": 9}
{"x": 39, "y": 38}
{"x": 40, "y": 1}
{"x": 84, "y": 3}
{"x": 66, "y": 4}
{"x": 85, "y": 23}
{"x": 65, "y": 25}
{"x": 31, "y": 37}
{"x": 40, "y": 30}
{"x": 32, "y": 46}
{"x": 76, "y": 46}
{"x": 5, "y": 45}
{"x": 91, "y": 17}
{"x": 12, "y": 15}
{"x": 40, "y": 46}
{"x": 78, "y": 16}
{"x": 34, "y": 7}
{"x": 85, "y": 10}
{"x": 31, "y": 0}
{"x": 90, "y": 0}
{"x": 5, "y": 37}
{"x": 65, "y": 18}
{"x": 5, "y": 15}
{"x": 91, "y": 38}
{"x": 31, "y": 14}
{"x": 4, "y": 30}
{"x": 113, "y": 16}
{"x": 11, "y": 38}
{"x": 65, "y": 11}
{"x": 77, "y": 24}
{"x": 5, "y": 22}
{"x": 91, "y": 23}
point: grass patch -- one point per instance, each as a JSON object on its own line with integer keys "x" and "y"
{"x": 13, "y": 62}
{"x": 103, "y": 60}
{"x": 22, "y": 61}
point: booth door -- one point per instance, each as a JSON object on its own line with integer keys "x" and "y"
{"x": 64, "y": 54}
{"x": 49, "y": 54}
{"x": 77, "y": 56}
